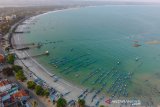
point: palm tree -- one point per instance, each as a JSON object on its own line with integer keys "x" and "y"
{"x": 61, "y": 102}
{"x": 81, "y": 103}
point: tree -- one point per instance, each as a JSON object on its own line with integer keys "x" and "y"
{"x": 81, "y": 103}
{"x": 39, "y": 90}
{"x": 16, "y": 68}
{"x": 20, "y": 75}
{"x": 10, "y": 58}
{"x": 8, "y": 71}
{"x": 61, "y": 102}
{"x": 46, "y": 93}
{"x": 31, "y": 84}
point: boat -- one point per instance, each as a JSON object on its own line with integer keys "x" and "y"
{"x": 97, "y": 103}
{"x": 55, "y": 78}
{"x": 94, "y": 96}
{"x": 137, "y": 59}
{"x": 71, "y": 102}
{"x": 66, "y": 93}
{"x": 118, "y": 62}
{"x": 80, "y": 95}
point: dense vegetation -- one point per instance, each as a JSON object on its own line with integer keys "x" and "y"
{"x": 37, "y": 88}
{"x": 31, "y": 84}
{"x": 8, "y": 71}
{"x": 10, "y": 58}
{"x": 81, "y": 103}
{"x": 16, "y": 68}
{"x": 20, "y": 76}
{"x": 61, "y": 102}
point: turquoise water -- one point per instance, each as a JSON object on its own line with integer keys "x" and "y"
{"x": 85, "y": 44}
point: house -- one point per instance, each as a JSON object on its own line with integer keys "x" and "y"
{"x": 8, "y": 18}
{"x": 5, "y": 97}
{"x": 5, "y": 85}
{"x": 13, "y": 97}
{"x": 13, "y": 16}
{"x": 21, "y": 95}
{"x": 2, "y": 59}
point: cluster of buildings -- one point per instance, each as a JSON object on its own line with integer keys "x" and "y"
{"x": 11, "y": 95}
{"x": 8, "y": 18}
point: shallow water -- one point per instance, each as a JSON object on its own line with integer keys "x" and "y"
{"x": 86, "y": 40}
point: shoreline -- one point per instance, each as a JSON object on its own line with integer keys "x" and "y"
{"x": 36, "y": 62}
{"x": 65, "y": 9}
{"x": 41, "y": 72}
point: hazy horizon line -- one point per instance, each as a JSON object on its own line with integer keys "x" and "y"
{"x": 80, "y": 3}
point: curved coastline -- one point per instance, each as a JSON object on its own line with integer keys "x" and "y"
{"x": 29, "y": 54}
{"x": 41, "y": 72}
{"x": 41, "y": 65}
{"x": 65, "y": 9}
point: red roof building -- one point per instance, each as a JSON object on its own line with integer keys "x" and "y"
{"x": 1, "y": 58}
{"x": 20, "y": 95}
{"x": 5, "y": 85}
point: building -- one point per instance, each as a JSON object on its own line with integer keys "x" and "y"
{"x": 8, "y": 18}
{"x": 5, "y": 85}
{"x": 2, "y": 59}
{"x": 21, "y": 95}
{"x": 13, "y": 97}
{"x": 13, "y": 16}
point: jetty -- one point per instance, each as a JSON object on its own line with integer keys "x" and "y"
{"x": 27, "y": 46}
{"x": 21, "y": 32}
{"x": 38, "y": 55}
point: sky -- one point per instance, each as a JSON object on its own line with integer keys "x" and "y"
{"x": 50, "y": 2}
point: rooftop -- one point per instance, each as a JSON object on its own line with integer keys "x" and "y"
{"x": 20, "y": 94}
{"x": 4, "y": 82}
{"x": 1, "y": 58}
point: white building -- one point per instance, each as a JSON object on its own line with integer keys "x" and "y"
{"x": 13, "y": 16}
{"x": 8, "y": 18}
{"x": 5, "y": 85}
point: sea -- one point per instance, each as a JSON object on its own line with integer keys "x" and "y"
{"x": 114, "y": 49}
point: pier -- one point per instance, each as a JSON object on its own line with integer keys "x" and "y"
{"x": 46, "y": 53}
{"x": 27, "y": 46}
{"x": 21, "y": 31}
